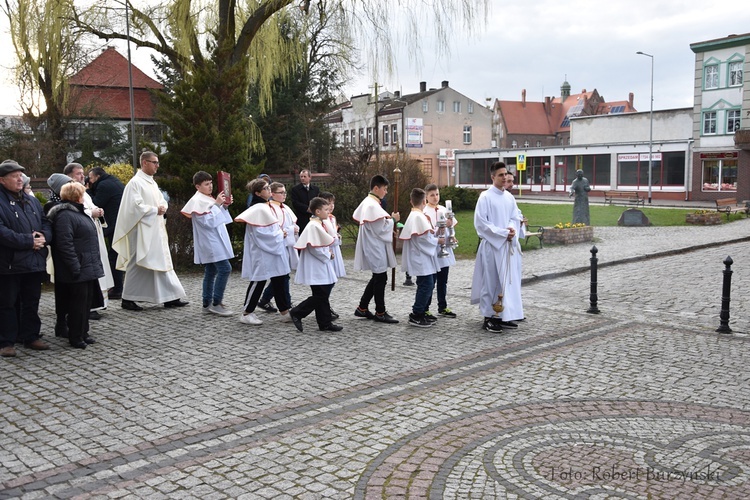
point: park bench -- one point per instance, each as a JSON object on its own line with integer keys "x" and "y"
{"x": 730, "y": 206}
{"x": 623, "y": 197}
{"x": 534, "y": 232}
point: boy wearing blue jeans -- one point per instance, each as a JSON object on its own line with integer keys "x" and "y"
{"x": 419, "y": 257}
{"x": 212, "y": 247}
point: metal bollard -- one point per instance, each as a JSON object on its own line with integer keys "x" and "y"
{"x": 593, "y": 297}
{"x": 725, "y": 297}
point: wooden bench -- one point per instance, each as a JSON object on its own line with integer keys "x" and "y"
{"x": 623, "y": 197}
{"x": 534, "y": 232}
{"x": 730, "y": 206}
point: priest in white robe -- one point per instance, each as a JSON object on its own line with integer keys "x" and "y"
{"x": 141, "y": 242}
{"x": 493, "y": 222}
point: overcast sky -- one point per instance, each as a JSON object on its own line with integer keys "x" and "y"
{"x": 537, "y": 44}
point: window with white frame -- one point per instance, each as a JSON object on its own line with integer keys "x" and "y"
{"x": 526, "y": 144}
{"x": 712, "y": 76}
{"x": 345, "y": 137}
{"x": 394, "y": 134}
{"x": 539, "y": 144}
{"x": 470, "y": 107}
{"x": 467, "y": 134}
{"x": 352, "y": 137}
{"x": 735, "y": 74}
{"x": 361, "y": 137}
{"x": 369, "y": 135}
{"x": 456, "y": 106}
{"x": 386, "y": 138}
{"x": 425, "y": 106}
{"x": 733, "y": 121}
{"x": 514, "y": 144}
{"x": 709, "y": 122}
{"x": 441, "y": 106}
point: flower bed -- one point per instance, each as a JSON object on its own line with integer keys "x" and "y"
{"x": 568, "y": 236}
{"x": 703, "y": 218}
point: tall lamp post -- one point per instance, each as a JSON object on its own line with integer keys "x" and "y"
{"x": 651, "y": 126}
{"x": 134, "y": 143}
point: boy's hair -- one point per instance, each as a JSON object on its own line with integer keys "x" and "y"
{"x": 378, "y": 181}
{"x": 417, "y": 196}
{"x": 256, "y": 185}
{"x": 431, "y": 187}
{"x": 275, "y": 186}
{"x": 497, "y": 166}
{"x": 317, "y": 203}
{"x": 200, "y": 177}
{"x": 72, "y": 191}
{"x": 327, "y": 196}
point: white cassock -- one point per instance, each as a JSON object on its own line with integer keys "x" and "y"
{"x": 513, "y": 301}
{"x": 107, "y": 281}
{"x": 332, "y": 227}
{"x": 288, "y": 222}
{"x": 211, "y": 241}
{"x": 374, "y": 250}
{"x": 493, "y": 270}
{"x": 316, "y": 251}
{"x": 419, "y": 257}
{"x": 435, "y": 214}
{"x": 264, "y": 255}
{"x": 142, "y": 245}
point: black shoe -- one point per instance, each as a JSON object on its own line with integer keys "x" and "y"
{"x": 114, "y": 295}
{"x": 334, "y": 314}
{"x": 130, "y": 305}
{"x": 89, "y": 340}
{"x": 296, "y": 320}
{"x": 363, "y": 314}
{"x": 176, "y": 303}
{"x": 430, "y": 317}
{"x": 492, "y": 325}
{"x": 408, "y": 282}
{"x": 385, "y": 318}
{"x": 61, "y": 331}
{"x": 266, "y": 306}
{"x": 420, "y": 322}
{"x": 78, "y": 345}
{"x": 94, "y": 315}
{"x": 508, "y": 324}
{"x": 331, "y": 328}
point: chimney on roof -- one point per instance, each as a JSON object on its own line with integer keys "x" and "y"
{"x": 423, "y": 86}
{"x": 445, "y": 84}
{"x": 630, "y": 100}
{"x": 523, "y": 98}
{"x": 547, "y": 104}
{"x": 583, "y": 91}
{"x": 397, "y": 94}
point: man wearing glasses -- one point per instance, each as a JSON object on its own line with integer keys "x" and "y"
{"x": 141, "y": 242}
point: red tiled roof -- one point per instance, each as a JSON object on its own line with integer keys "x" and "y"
{"x": 111, "y": 103}
{"x": 110, "y": 69}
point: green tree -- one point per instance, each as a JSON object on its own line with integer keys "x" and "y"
{"x": 218, "y": 48}
{"x": 48, "y": 51}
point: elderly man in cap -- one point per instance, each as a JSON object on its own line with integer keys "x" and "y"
{"x": 24, "y": 235}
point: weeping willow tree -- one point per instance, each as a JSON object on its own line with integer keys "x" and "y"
{"x": 217, "y": 49}
{"x": 48, "y": 52}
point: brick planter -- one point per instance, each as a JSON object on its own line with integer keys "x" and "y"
{"x": 568, "y": 236}
{"x": 711, "y": 219}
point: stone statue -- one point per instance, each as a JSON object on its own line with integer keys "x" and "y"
{"x": 580, "y": 187}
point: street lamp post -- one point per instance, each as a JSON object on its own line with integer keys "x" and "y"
{"x": 651, "y": 126}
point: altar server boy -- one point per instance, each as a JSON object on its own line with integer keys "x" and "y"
{"x": 315, "y": 268}
{"x": 419, "y": 257}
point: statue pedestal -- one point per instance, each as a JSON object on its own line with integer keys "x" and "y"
{"x": 568, "y": 236}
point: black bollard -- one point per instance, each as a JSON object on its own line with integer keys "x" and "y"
{"x": 593, "y": 297}
{"x": 725, "y": 297}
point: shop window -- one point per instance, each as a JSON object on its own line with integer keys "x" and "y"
{"x": 719, "y": 175}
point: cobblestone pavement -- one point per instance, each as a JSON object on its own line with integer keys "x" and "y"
{"x": 644, "y": 400}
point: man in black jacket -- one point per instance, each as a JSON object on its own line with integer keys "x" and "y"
{"x": 106, "y": 192}
{"x": 24, "y": 235}
{"x": 302, "y": 193}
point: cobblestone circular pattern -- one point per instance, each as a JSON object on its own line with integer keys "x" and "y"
{"x": 574, "y": 449}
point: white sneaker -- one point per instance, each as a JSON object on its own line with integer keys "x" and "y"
{"x": 220, "y": 310}
{"x": 250, "y": 319}
{"x": 206, "y": 310}
{"x": 286, "y": 318}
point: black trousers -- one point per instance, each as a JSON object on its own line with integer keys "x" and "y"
{"x": 255, "y": 290}
{"x": 375, "y": 289}
{"x": 318, "y": 302}
{"x": 76, "y": 299}
{"x": 19, "y": 307}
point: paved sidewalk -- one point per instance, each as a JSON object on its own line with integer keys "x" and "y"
{"x": 644, "y": 400}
